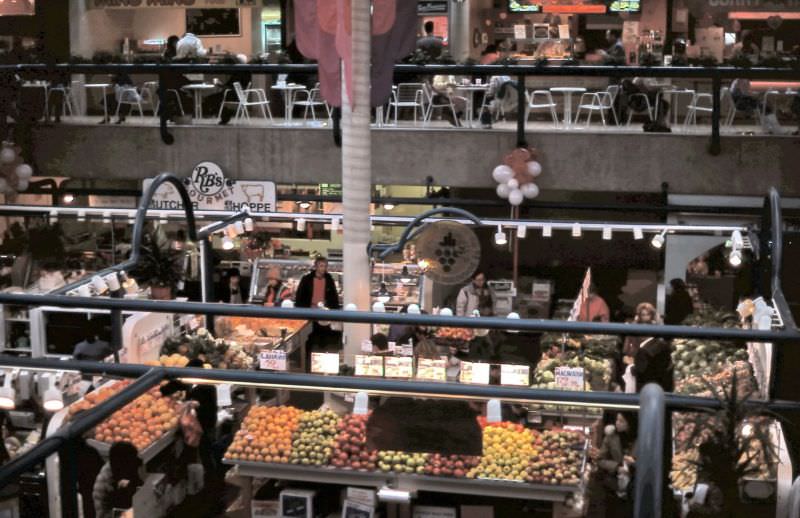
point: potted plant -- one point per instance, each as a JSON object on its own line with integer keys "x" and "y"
{"x": 159, "y": 266}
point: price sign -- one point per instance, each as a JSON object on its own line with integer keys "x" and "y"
{"x": 404, "y": 350}
{"x": 272, "y": 360}
{"x": 399, "y": 367}
{"x": 431, "y": 370}
{"x": 570, "y": 378}
{"x": 517, "y": 375}
{"x": 325, "y": 363}
{"x": 519, "y": 32}
{"x": 477, "y": 373}
{"x": 366, "y": 346}
{"x": 367, "y": 365}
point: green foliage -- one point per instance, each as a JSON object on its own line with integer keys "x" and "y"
{"x": 159, "y": 265}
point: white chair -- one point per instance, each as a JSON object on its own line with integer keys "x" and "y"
{"x": 149, "y": 93}
{"x": 765, "y": 102}
{"x": 251, "y": 97}
{"x": 547, "y": 104}
{"x": 313, "y": 100}
{"x": 407, "y": 95}
{"x": 673, "y": 95}
{"x": 233, "y": 102}
{"x": 431, "y": 104}
{"x": 649, "y": 110}
{"x": 702, "y": 103}
{"x": 129, "y": 95}
{"x": 599, "y": 102}
{"x": 66, "y": 100}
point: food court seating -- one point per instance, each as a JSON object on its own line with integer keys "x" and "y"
{"x": 312, "y": 101}
{"x": 407, "y": 95}
{"x": 251, "y": 97}
{"x": 545, "y": 104}
{"x": 701, "y": 102}
{"x": 598, "y": 102}
{"x": 431, "y": 104}
{"x": 130, "y": 96}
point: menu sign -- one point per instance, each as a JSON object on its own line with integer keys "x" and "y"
{"x": 431, "y": 370}
{"x": 517, "y": 375}
{"x": 325, "y": 363}
{"x": 367, "y": 365}
{"x": 149, "y": 4}
{"x": 272, "y": 360}
{"x": 570, "y": 378}
{"x": 399, "y": 367}
{"x": 477, "y": 373}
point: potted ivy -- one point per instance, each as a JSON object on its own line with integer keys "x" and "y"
{"x": 159, "y": 266}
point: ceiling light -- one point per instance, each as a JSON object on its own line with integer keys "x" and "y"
{"x": 301, "y": 224}
{"x": 547, "y": 231}
{"x": 388, "y": 206}
{"x": 350, "y": 307}
{"x": 106, "y": 217}
{"x": 53, "y": 217}
{"x": 405, "y": 277}
{"x": 637, "y": 233}
{"x": 227, "y": 243}
{"x": 522, "y": 231}
{"x": 413, "y": 309}
{"x": 423, "y": 265}
{"x": 500, "y": 236}
{"x": 68, "y": 198}
{"x": 53, "y": 399}
{"x": 81, "y": 215}
{"x": 445, "y": 312}
{"x": 304, "y": 204}
{"x": 378, "y": 307}
{"x": 607, "y": 233}
{"x": 658, "y": 240}
{"x": 8, "y": 395}
{"x": 248, "y": 224}
{"x": 735, "y": 259}
{"x": 383, "y": 294}
{"x": 576, "y": 230}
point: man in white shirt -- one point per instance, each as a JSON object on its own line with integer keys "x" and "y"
{"x": 190, "y": 46}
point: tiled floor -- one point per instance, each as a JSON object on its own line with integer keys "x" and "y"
{"x": 532, "y": 126}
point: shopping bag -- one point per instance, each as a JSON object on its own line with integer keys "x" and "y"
{"x": 190, "y": 425}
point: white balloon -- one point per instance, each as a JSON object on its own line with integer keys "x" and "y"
{"x": 24, "y": 171}
{"x": 413, "y": 309}
{"x": 530, "y": 190}
{"x": 350, "y": 307}
{"x": 7, "y": 155}
{"x": 22, "y": 185}
{"x": 503, "y": 190}
{"x": 378, "y": 307}
{"x": 534, "y": 168}
{"x": 445, "y": 312}
{"x": 515, "y": 197}
{"x": 513, "y": 184}
{"x": 502, "y": 173}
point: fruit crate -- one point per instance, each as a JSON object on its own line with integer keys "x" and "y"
{"x": 147, "y": 454}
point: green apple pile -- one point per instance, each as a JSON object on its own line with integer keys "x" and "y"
{"x": 402, "y": 462}
{"x": 312, "y": 441}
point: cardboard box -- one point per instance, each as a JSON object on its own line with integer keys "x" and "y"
{"x": 265, "y": 509}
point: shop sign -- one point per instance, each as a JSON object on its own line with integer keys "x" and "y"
{"x": 569, "y": 378}
{"x": 477, "y": 373}
{"x": 399, "y": 367}
{"x": 155, "y": 4}
{"x": 209, "y": 189}
{"x": 369, "y": 365}
{"x": 723, "y": 6}
{"x": 431, "y": 370}
{"x": 143, "y": 335}
{"x": 429, "y": 7}
{"x": 325, "y": 363}
{"x": 515, "y": 375}
{"x": 272, "y": 360}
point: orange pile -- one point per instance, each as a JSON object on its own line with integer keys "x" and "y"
{"x": 141, "y": 421}
{"x": 96, "y": 397}
{"x": 265, "y": 435}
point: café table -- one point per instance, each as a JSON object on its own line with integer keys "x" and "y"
{"x": 103, "y": 87}
{"x": 198, "y": 89}
{"x": 288, "y": 94}
{"x": 567, "y": 92}
{"x": 470, "y": 90}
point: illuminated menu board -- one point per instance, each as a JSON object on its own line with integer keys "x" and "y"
{"x": 524, "y": 6}
{"x": 625, "y": 6}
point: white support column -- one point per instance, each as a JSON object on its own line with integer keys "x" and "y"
{"x": 256, "y": 32}
{"x": 357, "y": 177}
{"x": 458, "y": 29}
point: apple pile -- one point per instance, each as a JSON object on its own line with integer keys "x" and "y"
{"x": 265, "y": 435}
{"x": 350, "y": 445}
{"x": 312, "y": 442}
{"x": 142, "y": 421}
{"x": 450, "y": 465}
{"x": 556, "y": 458}
{"x": 402, "y": 462}
{"x": 507, "y": 450}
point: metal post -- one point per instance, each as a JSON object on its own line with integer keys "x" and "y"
{"x": 521, "y": 103}
{"x": 207, "y": 278}
{"x": 166, "y": 136}
{"x": 649, "y": 479}
{"x": 715, "y": 147}
{"x": 69, "y": 485}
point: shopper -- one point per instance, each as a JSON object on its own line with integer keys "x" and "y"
{"x": 92, "y": 348}
{"x": 595, "y": 308}
{"x": 380, "y": 344}
{"x": 118, "y": 481}
{"x": 233, "y": 290}
{"x": 189, "y": 47}
{"x": 444, "y": 89}
{"x": 490, "y": 55}
{"x": 645, "y": 314}
{"x": 746, "y": 101}
{"x": 475, "y": 295}
{"x": 430, "y": 44}
{"x": 276, "y": 291}
{"x": 171, "y": 49}
{"x": 401, "y": 333}
{"x": 679, "y": 303}
{"x": 318, "y": 289}
{"x": 653, "y": 364}
{"x": 615, "y": 53}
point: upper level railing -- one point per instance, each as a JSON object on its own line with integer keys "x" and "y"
{"x": 520, "y": 72}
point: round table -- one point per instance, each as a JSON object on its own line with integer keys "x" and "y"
{"x": 288, "y": 93}
{"x": 470, "y": 89}
{"x": 567, "y": 91}
{"x": 103, "y": 87}
{"x": 198, "y": 90}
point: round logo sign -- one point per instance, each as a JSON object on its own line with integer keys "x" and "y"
{"x": 450, "y": 249}
{"x": 207, "y": 178}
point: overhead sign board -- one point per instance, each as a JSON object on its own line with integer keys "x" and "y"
{"x": 429, "y": 7}
{"x": 155, "y": 4}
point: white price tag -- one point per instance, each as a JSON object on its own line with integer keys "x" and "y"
{"x": 516, "y": 375}
{"x": 431, "y": 370}
{"x": 477, "y": 373}
{"x": 367, "y": 365}
{"x": 366, "y": 346}
{"x": 399, "y": 367}
{"x": 224, "y": 395}
{"x": 325, "y": 363}
{"x": 272, "y": 360}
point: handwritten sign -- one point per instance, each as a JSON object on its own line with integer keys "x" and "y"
{"x": 399, "y": 367}
{"x": 431, "y": 370}
{"x": 477, "y": 373}
{"x": 569, "y": 378}
{"x": 516, "y": 375}
{"x": 272, "y": 360}
{"x": 519, "y": 32}
{"x": 368, "y": 365}
{"x": 325, "y": 363}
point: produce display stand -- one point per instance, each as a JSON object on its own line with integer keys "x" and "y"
{"x": 269, "y": 335}
{"x": 146, "y": 454}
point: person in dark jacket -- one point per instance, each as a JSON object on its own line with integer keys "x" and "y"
{"x": 679, "y": 303}
{"x": 653, "y": 364}
{"x": 118, "y": 480}
{"x": 233, "y": 289}
{"x": 318, "y": 288}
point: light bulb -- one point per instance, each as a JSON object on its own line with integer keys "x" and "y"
{"x": 424, "y": 264}
{"x": 350, "y": 307}
{"x": 248, "y": 224}
{"x": 378, "y": 307}
{"x": 547, "y": 231}
{"x": 445, "y": 312}
{"x": 637, "y": 233}
{"x": 522, "y": 231}
{"x": 735, "y": 259}
{"x": 68, "y": 198}
{"x": 227, "y": 243}
{"x": 388, "y": 206}
{"x": 304, "y": 204}
{"x": 658, "y": 240}
{"x": 413, "y": 309}
{"x": 288, "y": 303}
{"x": 500, "y": 236}
{"x": 8, "y": 395}
{"x": 53, "y": 400}
{"x": 577, "y": 231}
{"x": 607, "y": 233}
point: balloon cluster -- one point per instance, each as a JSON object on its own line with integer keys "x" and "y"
{"x": 515, "y": 176}
{"x": 15, "y": 174}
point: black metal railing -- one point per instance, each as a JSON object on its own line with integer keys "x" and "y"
{"x": 715, "y": 74}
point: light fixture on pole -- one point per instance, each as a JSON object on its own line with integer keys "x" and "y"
{"x": 577, "y": 231}
{"x": 737, "y": 244}
{"x": 8, "y": 394}
{"x": 500, "y": 236}
{"x": 658, "y": 240}
{"x": 68, "y": 198}
{"x": 131, "y": 217}
{"x": 162, "y": 218}
{"x": 405, "y": 276}
{"x": 53, "y": 217}
{"x": 607, "y": 233}
{"x": 522, "y": 231}
{"x": 81, "y": 216}
{"x": 227, "y": 243}
{"x": 637, "y": 233}
{"x": 106, "y": 217}
{"x": 52, "y": 399}
{"x": 547, "y": 231}
{"x": 383, "y": 294}
{"x": 248, "y": 224}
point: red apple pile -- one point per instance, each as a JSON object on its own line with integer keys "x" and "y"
{"x": 350, "y": 445}
{"x": 450, "y": 465}
{"x": 556, "y": 458}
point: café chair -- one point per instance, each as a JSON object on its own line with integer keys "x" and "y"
{"x": 407, "y": 95}
{"x": 547, "y": 104}
{"x": 765, "y": 102}
{"x": 649, "y": 109}
{"x": 233, "y": 101}
{"x": 313, "y": 100}
{"x": 149, "y": 93}
{"x": 430, "y": 100}
{"x": 130, "y": 96}
{"x": 251, "y": 97}
{"x": 66, "y": 99}
{"x": 598, "y": 102}
{"x": 702, "y": 103}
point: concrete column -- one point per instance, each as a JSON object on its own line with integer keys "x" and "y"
{"x": 357, "y": 177}
{"x": 458, "y": 29}
{"x": 256, "y": 32}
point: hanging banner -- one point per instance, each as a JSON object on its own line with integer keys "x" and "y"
{"x": 580, "y": 306}
{"x": 209, "y": 189}
{"x": 158, "y": 4}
